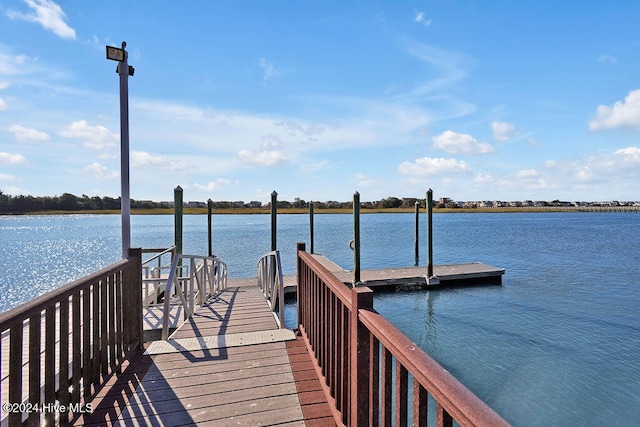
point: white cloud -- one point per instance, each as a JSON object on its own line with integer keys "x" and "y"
{"x": 426, "y": 166}
{"x": 361, "y": 180}
{"x": 3, "y": 84}
{"x": 584, "y": 173}
{"x": 3, "y": 105}
{"x": 12, "y": 159}
{"x": 527, "y": 173}
{"x": 460, "y": 143}
{"x": 94, "y": 137}
{"x": 13, "y": 64}
{"x": 623, "y": 114}
{"x": 608, "y": 58}
{"x": 262, "y": 157}
{"x": 629, "y": 154}
{"x": 450, "y": 67}
{"x": 100, "y": 171}
{"x": 420, "y": 18}
{"x": 22, "y": 133}
{"x": 10, "y": 189}
{"x": 315, "y": 167}
{"x": 217, "y": 184}
{"x": 269, "y": 69}
{"x": 48, "y": 14}
{"x": 142, "y": 158}
{"x": 534, "y": 142}
{"x": 502, "y": 131}
{"x": 6, "y": 178}
{"x": 483, "y": 178}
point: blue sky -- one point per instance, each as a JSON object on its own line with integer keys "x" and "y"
{"x": 493, "y": 100}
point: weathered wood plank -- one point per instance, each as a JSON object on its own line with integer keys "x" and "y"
{"x": 248, "y": 385}
{"x": 252, "y": 383}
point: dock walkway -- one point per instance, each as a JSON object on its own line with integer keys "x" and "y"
{"x": 227, "y": 365}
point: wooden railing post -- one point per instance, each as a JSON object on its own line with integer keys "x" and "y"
{"x": 360, "y": 354}
{"x": 300, "y": 247}
{"x": 132, "y": 310}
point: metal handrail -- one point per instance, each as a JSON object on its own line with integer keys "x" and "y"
{"x": 189, "y": 282}
{"x": 161, "y": 251}
{"x": 271, "y": 283}
{"x": 153, "y": 285}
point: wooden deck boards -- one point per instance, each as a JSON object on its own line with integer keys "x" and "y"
{"x": 262, "y": 384}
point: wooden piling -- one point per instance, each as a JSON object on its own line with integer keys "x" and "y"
{"x": 311, "y": 227}
{"x": 274, "y": 215}
{"x": 177, "y": 213}
{"x": 356, "y": 238}
{"x": 210, "y": 233}
{"x": 429, "y": 233}
{"x": 417, "y": 234}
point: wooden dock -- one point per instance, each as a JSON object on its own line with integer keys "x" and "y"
{"x": 472, "y": 273}
{"x": 227, "y": 365}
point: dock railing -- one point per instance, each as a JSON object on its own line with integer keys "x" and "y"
{"x": 271, "y": 283}
{"x": 365, "y": 363}
{"x": 192, "y": 278}
{"x": 64, "y": 345}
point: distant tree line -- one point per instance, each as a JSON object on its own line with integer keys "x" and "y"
{"x": 69, "y": 202}
{"x": 387, "y": 203}
{"x": 66, "y": 202}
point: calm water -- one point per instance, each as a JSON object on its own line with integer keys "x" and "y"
{"x": 557, "y": 344}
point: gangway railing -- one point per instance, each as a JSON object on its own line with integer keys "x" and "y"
{"x": 271, "y": 283}
{"x": 193, "y": 279}
{"x": 154, "y": 274}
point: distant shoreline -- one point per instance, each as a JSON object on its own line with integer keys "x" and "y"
{"x": 300, "y": 211}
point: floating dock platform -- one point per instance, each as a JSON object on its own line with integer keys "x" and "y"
{"x": 468, "y": 274}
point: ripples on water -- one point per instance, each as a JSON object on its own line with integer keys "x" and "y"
{"x": 557, "y": 344}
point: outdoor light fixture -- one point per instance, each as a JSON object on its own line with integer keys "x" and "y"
{"x": 115, "y": 54}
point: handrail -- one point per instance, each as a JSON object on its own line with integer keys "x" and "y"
{"x": 190, "y": 282}
{"x": 74, "y": 338}
{"x": 456, "y": 399}
{"x": 152, "y": 286}
{"x": 364, "y": 362}
{"x": 271, "y": 283}
{"x": 159, "y": 253}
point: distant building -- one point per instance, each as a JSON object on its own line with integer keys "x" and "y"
{"x": 196, "y": 205}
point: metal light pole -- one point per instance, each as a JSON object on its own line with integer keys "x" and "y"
{"x": 124, "y": 70}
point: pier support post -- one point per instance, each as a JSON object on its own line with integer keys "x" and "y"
{"x": 177, "y": 213}
{"x": 431, "y": 279}
{"x": 356, "y": 239}
{"x": 274, "y": 215}
{"x": 417, "y": 234}
{"x": 311, "y": 227}
{"x": 209, "y": 213}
